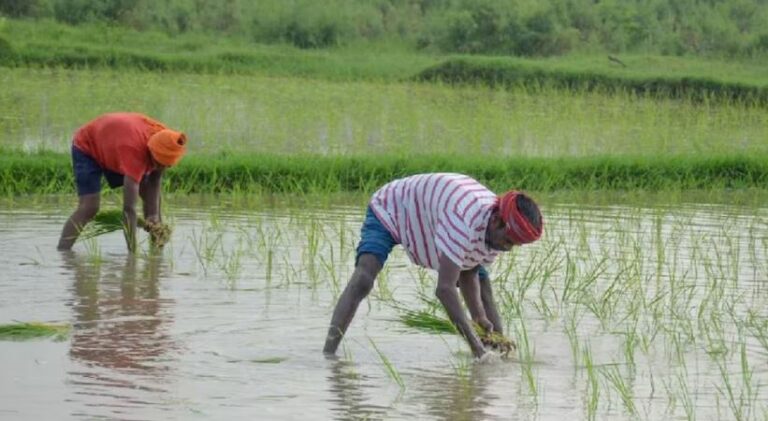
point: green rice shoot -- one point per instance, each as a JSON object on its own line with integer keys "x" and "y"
{"x": 22, "y": 331}
{"x": 427, "y": 321}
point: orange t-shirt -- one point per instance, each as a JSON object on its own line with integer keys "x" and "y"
{"x": 118, "y": 142}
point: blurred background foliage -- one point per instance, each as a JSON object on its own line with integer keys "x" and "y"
{"x": 713, "y": 28}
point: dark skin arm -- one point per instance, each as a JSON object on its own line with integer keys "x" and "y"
{"x": 447, "y": 276}
{"x": 149, "y": 190}
{"x": 489, "y": 304}
{"x": 130, "y": 196}
{"x": 469, "y": 284}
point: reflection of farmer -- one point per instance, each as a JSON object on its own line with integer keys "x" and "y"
{"x": 130, "y": 150}
{"x": 349, "y": 398}
{"x": 119, "y": 321}
{"x": 447, "y": 222}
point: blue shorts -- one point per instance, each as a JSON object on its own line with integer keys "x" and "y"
{"x": 375, "y": 239}
{"x": 88, "y": 174}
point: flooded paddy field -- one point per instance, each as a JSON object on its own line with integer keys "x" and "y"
{"x": 620, "y": 312}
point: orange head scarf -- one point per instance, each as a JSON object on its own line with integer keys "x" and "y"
{"x": 168, "y": 146}
{"x": 519, "y": 229}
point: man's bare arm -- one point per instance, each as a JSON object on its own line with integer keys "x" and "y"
{"x": 150, "y": 195}
{"x": 489, "y": 305}
{"x": 130, "y": 195}
{"x": 470, "y": 290}
{"x": 447, "y": 276}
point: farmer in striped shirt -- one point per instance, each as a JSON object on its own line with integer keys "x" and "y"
{"x": 447, "y": 222}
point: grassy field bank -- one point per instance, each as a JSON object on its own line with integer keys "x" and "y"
{"x": 48, "y": 172}
{"x": 639, "y": 75}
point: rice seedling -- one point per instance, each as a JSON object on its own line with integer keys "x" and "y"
{"x": 593, "y": 386}
{"x": 388, "y": 366}
{"x": 427, "y": 321}
{"x": 22, "y": 331}
{"x": 269, "y": 360}
{"x": 461, "y": 366}
{"x": 614, "y": 377}
{"x": 269, "y": 269}
{"x": 231, "y": 264}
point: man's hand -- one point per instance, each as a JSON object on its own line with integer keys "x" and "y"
{"x": 484, "y": 323}
{"x": 490, "y": 357}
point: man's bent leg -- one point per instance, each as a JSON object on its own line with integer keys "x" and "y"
{"x": 87, "y": 207}
{"x": 359, "y": 286}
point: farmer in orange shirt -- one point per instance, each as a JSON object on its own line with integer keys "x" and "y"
{"x": 129, "y": 150}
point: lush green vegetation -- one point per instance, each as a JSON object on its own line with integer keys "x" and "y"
{"x": 361, "y": 113}
{"x": 530, "y": 27}
{"x": 50, "y": 44}
{"x": 48, "y": 172}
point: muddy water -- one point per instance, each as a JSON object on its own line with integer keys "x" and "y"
{"x": 229, "y": 320}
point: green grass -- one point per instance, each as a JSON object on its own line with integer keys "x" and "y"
{"x": 49, "y": 44}
{"x": 26, "y": 331}
{"x": 662, "y": 77}
{"x": 49, "y": 173}
{"x": 235, "y": 113}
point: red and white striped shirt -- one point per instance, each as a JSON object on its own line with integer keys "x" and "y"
{"x": 438, "y": 214}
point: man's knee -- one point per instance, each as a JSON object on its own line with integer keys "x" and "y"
{"x": 363, "y": 283}
{"x": 368, "y": 266}
{"x": 88, "y": 207}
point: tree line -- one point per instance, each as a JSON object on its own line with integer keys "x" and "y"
{"x": 722, "y": 28}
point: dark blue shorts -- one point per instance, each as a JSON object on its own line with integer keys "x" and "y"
{"x": 88, "y": 174}
{"x": 376, "y": 240}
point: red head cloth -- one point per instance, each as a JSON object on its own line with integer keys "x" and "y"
{"x": 518, "y": 228}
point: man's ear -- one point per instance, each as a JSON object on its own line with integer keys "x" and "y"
{"x": 496, "y": 218}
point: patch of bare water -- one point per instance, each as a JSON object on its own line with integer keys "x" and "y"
{"x": 229, "y": 321}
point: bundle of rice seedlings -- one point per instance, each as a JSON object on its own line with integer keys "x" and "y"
{"x": 104, "y": 222}
{"x": 427, "y": 321}
{"x": 159, "y": 233}
{"x": 496, "y": 341}
{"x": 112, "y": 220}
{"x": 24, "y": 331}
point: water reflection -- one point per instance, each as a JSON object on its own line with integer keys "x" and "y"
{"x": 463, "y": 394}
{"x": 466, "y": 393}
{"x": 120, "y": 331}
{"x": 348, "y": 390}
